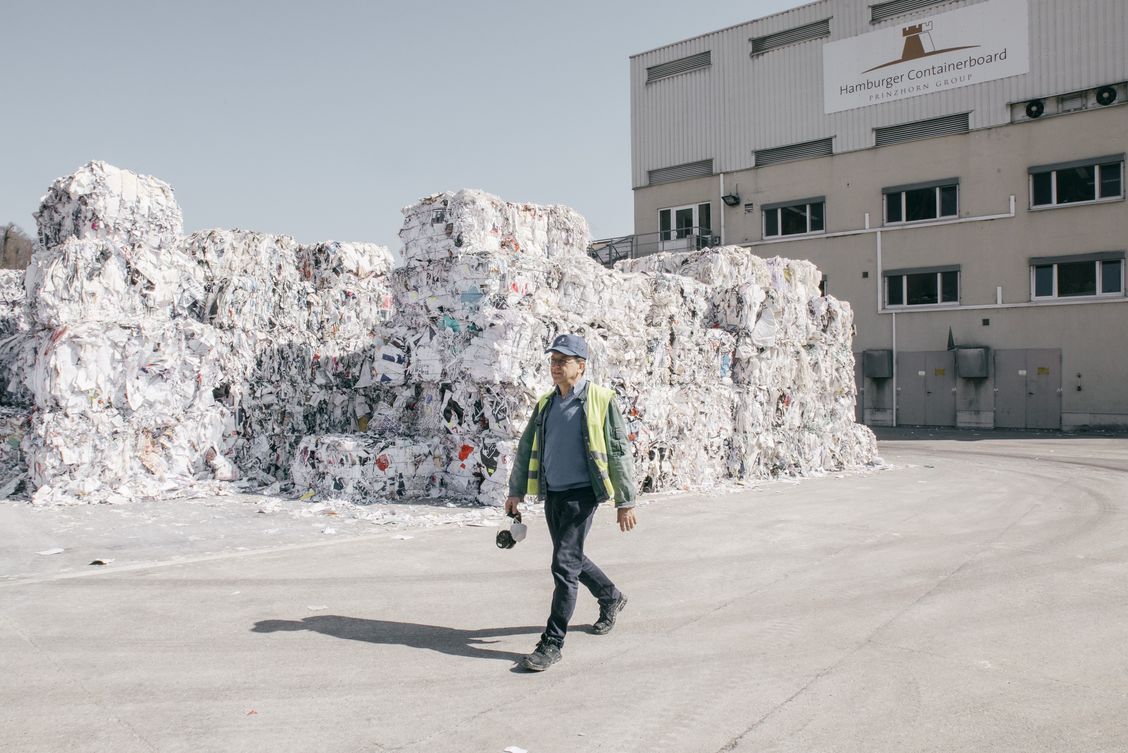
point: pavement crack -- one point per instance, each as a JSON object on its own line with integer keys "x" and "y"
{"x": 50, "y": 659}
{"x": 868, "y": 640}
{"x": 1010, "y": 669}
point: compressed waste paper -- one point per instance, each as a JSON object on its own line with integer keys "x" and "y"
{"x": 12, "y": 316}
{"x": 103, "y": 201}
{"x": 16, "y": 351}
{"x": 728, "y": 367}
{"x": 162, "y": 362}
{"x": 158, "y": 362}
{"x": 13, "y": 467}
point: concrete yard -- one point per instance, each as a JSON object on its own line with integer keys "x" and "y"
{"x": 971, "y": 597}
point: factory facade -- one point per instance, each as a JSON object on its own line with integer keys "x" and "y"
{"x": 954, "y": 167}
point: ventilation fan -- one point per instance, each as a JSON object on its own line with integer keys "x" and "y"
{"x": 1106, "y": 95}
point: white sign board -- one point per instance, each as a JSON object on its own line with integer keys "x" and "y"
{"x": 920, "y": 56}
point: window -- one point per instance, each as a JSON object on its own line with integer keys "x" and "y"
{"x": 922, "y": 287}
{"x": 1076, "y": 276}
{"x": 794, "y": 217}
{"x": 684, "y": 227}
{"x": 921, "y": 201}
{"x": 1075, "y": 182}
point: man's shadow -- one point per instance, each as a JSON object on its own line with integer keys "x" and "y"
{"x": 434, "y": 637}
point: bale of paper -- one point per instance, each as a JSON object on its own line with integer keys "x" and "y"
{"x": 727, "y": 366}
{"x": 162, "y": 365}
{"x": 156, "y": 364}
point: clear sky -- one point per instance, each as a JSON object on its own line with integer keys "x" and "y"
{"x": 321, "y": 120}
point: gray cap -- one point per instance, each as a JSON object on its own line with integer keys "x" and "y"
{"x": 569, "y": 345}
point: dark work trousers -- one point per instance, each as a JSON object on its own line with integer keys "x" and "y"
{"x": 569, "y": 515}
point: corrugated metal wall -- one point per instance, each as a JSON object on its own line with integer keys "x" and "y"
{"x": 741, "y": 104}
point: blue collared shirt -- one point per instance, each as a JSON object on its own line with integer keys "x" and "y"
{"x": 565, "y": 459}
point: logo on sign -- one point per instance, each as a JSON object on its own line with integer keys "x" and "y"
{"x": 919, "y": 44}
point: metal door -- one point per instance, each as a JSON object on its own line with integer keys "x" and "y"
{"x": 1043, "y": 389}
{"x": 1010, "y": 389}
{"x": 1028, "y": 389}
{"x": 940, "y": 388}
{"x": 912, "y": 375}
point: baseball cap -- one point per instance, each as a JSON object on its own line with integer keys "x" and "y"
{"x": 569, "y": 345}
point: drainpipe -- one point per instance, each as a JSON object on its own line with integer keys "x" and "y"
{"x": 881, "y": 309}
{"x": 894, "y": 368}
{"x": 721, "y": 207}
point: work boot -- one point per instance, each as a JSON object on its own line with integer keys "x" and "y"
{"x": 544, "y": 656}
{"x": 607, "y": 612}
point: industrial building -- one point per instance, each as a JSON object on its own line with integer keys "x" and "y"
{"x": 954, "y": 167}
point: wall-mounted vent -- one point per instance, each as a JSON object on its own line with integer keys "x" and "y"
{"x": 922, "y": 129}
{"x": 877, "y": 364}
{"x": 971, "y": 363}
{"x": 791, "y": 36}
{"x": 806, "y": 150}
{"x": 681, "y": 65}
{"x": 700, "y": 169}
{"x": 883, "y": 11}
{"x": 1073, "y": 102}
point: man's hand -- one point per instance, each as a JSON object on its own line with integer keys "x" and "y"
{"x": 626, "y": 518}
{"x": 511, "y": 505}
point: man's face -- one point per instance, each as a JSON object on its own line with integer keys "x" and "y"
{"x": 566, "y": 370}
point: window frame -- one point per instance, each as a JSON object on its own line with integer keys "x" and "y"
{"x": 693, "y": 236}
{"x": 938, "y": 272}
{"x": 935, "y": 186}
{"x": 1097, "y": 260}
{"x": 777, "y": 208}
{"x": 1052, "y": 170}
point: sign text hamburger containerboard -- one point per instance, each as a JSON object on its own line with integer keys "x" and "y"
{"x": 968, "y": 46}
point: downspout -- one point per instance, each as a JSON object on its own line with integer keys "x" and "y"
{"x": 880, "y": 309}
{"x": 721, "y": 207}
{"x": 894, "y": 368}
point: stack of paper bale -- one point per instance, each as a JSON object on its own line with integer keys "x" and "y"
{"x": 12, "y": 318}
{"x": 157, "y": 363}
{"x": 122, "y": 366}
{"x": 727, "y": 366}
{"x": 298, "y": 324}
{"x": 16, "y": 358}
{"x": 792, "y": 385}
{"x": 160, "y": 362}
{"x": 15, "y": 355}
{"x": 466, "y": 370}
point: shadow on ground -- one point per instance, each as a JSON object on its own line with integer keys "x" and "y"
{"x": 445, "y": 640}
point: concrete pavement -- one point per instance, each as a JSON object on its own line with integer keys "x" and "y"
{"x": 973, "y": 597}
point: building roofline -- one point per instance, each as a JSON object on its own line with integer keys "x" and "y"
{"x": 727, "y": 28}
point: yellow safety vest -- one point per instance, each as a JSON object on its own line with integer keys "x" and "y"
{"x": 596, "y": 405}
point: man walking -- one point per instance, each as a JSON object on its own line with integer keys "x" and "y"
{"x": 574, "y": 454}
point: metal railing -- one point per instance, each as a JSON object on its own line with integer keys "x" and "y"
{"x": 607, "y": 251}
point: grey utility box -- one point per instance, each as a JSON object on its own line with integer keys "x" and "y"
{"x": 877, "y": 364}
{"x": 971, "y": 363}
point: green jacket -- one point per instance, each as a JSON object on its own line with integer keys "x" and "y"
{"x": 620, "y": 460}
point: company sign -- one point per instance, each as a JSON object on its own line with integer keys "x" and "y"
{"x": 968, "y": 46}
